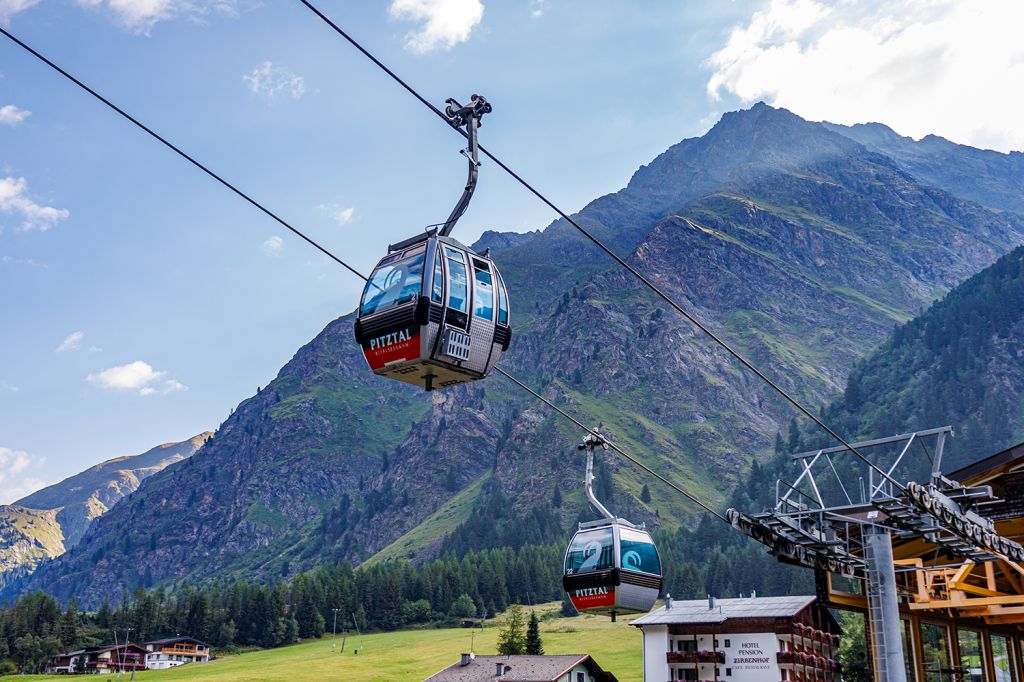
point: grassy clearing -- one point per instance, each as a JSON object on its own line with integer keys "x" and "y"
{"x": 407, "y": 655}
{"x": 442, "y": 522}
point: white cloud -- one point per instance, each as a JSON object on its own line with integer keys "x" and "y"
{"x": 95, "y": 349}
{"x": 8, "y": 8}
{"x": 444, "y": 23}
{"x": 273, "y": 246}
{"x": 13, "y": 483}
{"x": 14, "y": 199}
{"x": 11, "y": 260}
{"x": 71, "y": 342}
{"x": 953, "y": 67}
{"x": 8, "y": 386}
{"x": 340, "y": 215}
{"x": 136, "y": 376}
{"x": 537, "y": 8}
{"x": 142, "y": 15}
{"x": 270, "y": 80}
{"x": 11, "y": 115}
{"x": 172, "y": 386}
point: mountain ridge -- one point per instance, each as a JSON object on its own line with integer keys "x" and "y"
{"x": 44, "y": 524}
{"x": 800, "y": 245}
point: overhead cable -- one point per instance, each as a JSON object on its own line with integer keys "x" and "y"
{"x": 597, "y": 242}
{"x": 177, "y": 150}
{"x": 322, "y": 249}
{"x": 611, "y": 444}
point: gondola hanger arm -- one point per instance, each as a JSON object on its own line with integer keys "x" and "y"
{"x": 468, "y": 117}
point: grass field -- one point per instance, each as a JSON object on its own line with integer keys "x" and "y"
{"x": 406, "y": 655}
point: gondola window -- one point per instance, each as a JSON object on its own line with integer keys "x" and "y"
{"x": 392, "y": 285}
{"x": 484, "y": 293}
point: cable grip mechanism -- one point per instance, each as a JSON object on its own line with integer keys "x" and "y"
{"x": 467, "y": 116}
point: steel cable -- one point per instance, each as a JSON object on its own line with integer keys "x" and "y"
{"x": 597, "y": 242}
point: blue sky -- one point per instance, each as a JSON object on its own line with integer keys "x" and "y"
{"x": 140, "y": 301}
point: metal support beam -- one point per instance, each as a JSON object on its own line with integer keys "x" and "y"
{"x": 876, "y": 441}
{"x": 883, "y": 607}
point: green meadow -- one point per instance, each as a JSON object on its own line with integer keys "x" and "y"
{"x": 406, "y": 654}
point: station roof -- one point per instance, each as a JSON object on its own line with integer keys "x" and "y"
{"x": 696, "y": 611}
{"x": 984, "y": 470}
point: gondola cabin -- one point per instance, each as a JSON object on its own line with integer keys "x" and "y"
{"x": 434, "y": 313}
{"x": 612, "y": 567}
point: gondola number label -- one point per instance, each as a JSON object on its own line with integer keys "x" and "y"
{"x": 456, "y": 344}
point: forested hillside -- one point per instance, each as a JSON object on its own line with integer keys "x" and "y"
{"x": 960, "y": 363}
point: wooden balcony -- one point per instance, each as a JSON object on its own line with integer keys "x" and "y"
{"x": 798, "y": 658}
{"x": 182, "y": 650}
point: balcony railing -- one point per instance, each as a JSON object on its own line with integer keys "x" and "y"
{"x": 696, "y": 657}
{"x": 807, "y": 660}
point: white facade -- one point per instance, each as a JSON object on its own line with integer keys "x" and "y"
{"x": 699, "y": 640}
{"x": 577, "y": 674}
{"x": 163, "y": 655}
{"x": 738, "y": 657}
{"x": 655, "y": 646}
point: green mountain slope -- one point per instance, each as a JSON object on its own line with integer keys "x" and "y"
{"x": 959, "y": 363}
{"x": 28, "y": 537}
{"x": 44, "y": 524}
{"x": 801, "y": 246}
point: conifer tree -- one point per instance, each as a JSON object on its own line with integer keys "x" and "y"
{"x": 511, "y": 638}
{"x": 645, "y": 494}
{"x": 69, "y": 624}
{"x": 534, "y": 646}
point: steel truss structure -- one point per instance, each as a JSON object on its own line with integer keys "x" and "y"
{"x": 846, "y": 525}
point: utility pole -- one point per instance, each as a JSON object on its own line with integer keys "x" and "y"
{"x": 121, "y": 655}
{"x": 334, "y": 629}
{"x": 115, "y": 646}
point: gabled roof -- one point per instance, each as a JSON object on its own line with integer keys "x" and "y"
{"x": 520, "y": 669}
{"x": 111, "y": 647}
{"x": 696, "y": 611}
{"x": 173, "y": 640}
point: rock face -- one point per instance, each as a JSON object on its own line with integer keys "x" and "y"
{"x": 987, "y": 177}
{"x": 44, "y": 524}
{"x": 28, "y": 537}
{"x": 799, "y": 245}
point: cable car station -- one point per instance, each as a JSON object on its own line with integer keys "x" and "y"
{"x": 937, "y": 569}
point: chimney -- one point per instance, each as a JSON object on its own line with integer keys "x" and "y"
{"x": 753, "y": 594}
{"x": 711, "y": 603}
{"x": 501, "y": 669}
{"x": 467, "y": 659}
{"x": 668, "y": 600}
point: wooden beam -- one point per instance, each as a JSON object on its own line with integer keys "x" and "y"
{"x": 974, "y": 589}
{"x": 970, "y": 603}
{"x": 1009, "y": 575}
{"x": 845, "y": 599}
{"x": 961, "y": 574}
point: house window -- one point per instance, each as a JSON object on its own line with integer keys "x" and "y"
{"x": 727, "y": 644}
{"x": 581, "y": 677}
{"x": 728, "y": 672}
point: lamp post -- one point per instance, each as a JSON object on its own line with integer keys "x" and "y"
{"x": 334, "y": 629}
